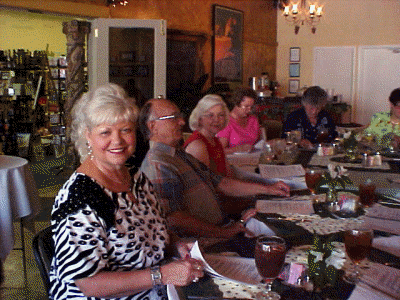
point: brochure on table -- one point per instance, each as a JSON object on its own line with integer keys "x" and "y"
{"x": 238, "y": 269}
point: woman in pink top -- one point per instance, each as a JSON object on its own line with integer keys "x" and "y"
{"x": 208, "y": 118}
{"x": 243, "y": 129}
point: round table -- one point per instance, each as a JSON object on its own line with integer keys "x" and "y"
{"x": 18, "y": 198}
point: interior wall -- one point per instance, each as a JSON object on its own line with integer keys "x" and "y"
{"x": 344, "y": 23}
{"x": 32, "y": 31}
{"x": 259, "y": 32}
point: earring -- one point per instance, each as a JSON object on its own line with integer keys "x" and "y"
{"x": 90, "y": 151}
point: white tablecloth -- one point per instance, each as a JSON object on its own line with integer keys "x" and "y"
{"x": 18, "y": 198}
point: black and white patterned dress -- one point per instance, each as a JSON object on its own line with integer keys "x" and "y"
{"x": 95, "y": 229}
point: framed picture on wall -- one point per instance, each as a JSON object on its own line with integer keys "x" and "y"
{"x": 294, "y": 85}
{"x": 294, "y": 70}
{"x": 294, "y": 54}
{"x": 227, "y": 62}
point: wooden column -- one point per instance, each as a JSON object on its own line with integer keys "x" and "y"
{"x": 76, "y": 32}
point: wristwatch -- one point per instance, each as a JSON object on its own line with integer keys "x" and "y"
{"x": 156, "y": 277}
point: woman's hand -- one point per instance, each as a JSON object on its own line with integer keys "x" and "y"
{"x": 243, "y": 148}
{"x": 182, "y": 272}
{"x": 395, "y": 142}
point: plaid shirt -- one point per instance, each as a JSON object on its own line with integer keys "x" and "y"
{"x": 183, "y": 183}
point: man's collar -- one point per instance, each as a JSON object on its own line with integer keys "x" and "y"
{"x": 163, "y": 148}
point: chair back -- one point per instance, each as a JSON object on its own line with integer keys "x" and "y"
{"x": 43, "y": 251}
{"x": 273, "y": 129}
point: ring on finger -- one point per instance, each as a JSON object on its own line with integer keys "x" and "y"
{"x": 196, "y": 279}
{"x": 197, "y": 268}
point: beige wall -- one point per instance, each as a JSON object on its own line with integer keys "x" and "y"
{"x": 345, "y": 23}
{"x": 30, "y": 31}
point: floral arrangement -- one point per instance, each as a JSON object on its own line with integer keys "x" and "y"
{"x": 324, "y": 262}
{"x": 335, "y": 179}
{"x": 350, "y": 140}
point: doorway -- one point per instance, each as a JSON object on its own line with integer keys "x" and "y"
{"x": 378, "y": 75}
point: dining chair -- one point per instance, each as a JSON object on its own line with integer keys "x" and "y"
{"x": 43, "y": 251}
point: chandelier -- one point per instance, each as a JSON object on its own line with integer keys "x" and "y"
{"x": 114, "y": 3}
{"x": 298, "y": 13}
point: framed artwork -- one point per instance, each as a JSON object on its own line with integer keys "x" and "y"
{"x": 294, "y": 85}
{"x": 294, "y": 54}
{"x": 227, "y": 63}
{"x": 294, "y": 70}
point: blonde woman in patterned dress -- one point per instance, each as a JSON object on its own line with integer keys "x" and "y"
{"x": 109, "y": 233}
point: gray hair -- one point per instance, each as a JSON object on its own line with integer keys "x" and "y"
{"x": 107, "y": 104}
{"x": 204, "y": 104}
{"x": 315, "y": 96}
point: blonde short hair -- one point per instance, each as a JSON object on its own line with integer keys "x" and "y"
{"x": 107, "y": 104}
{"x": 204, "y": 104}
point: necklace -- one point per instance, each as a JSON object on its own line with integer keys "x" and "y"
{"x": 112, "y": 178}
{"x": 124, "y": 185}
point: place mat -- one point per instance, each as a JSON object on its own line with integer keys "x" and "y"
{"x": 324, "y": 161}
{"x": 346, "y": 160}
{"x": 234, "y": 290}
{"x": 299, "y": 255}
{"x": 322, "y": 226}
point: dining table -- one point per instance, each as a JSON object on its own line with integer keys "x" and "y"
{"x": 299, "y": 229}
{"x": 19, "y": 199}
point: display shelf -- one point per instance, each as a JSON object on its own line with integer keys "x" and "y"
{"x": 32, "y": 93}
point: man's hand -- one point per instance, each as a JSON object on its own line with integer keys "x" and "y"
{"x": 279, "y": 189}
{"x": 306, "y": 144}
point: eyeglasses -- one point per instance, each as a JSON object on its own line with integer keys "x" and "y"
{"x": 175, "y": 116}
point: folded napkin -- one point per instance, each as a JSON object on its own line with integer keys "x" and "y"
{"x": 388, "y": 244}
{"x": 259, "y": 145}
{"x": 258, "y": 228}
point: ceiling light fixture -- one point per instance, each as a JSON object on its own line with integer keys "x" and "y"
{"x": 298, "y": 13}
{"x": 114, "y": 3}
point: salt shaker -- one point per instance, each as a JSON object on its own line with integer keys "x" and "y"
{"x": 378, "y": 159}
{"x": 320, "y": 150}
{"x": 365, "y": 159}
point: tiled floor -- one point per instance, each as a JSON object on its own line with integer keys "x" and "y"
{"x": 15, "y": 287}
{"x": 48, "y": 181}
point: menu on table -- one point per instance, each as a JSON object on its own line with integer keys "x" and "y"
{"x": 278, "y": 171}
{"x": 239, "y": 269}
{"x": 384, "y": 279}
{"x": 383, "y": 218}
{"x": 296, "y": 204}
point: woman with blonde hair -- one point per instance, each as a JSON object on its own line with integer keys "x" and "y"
{"x": 208, "y": 118}
{"x": 109, "y": 232}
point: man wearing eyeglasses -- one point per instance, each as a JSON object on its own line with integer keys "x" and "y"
{"x": 188, "y": 190}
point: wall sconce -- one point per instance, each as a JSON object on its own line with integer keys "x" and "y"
{"x": 298, "y": 13}
{"x": 114, "y": 3}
